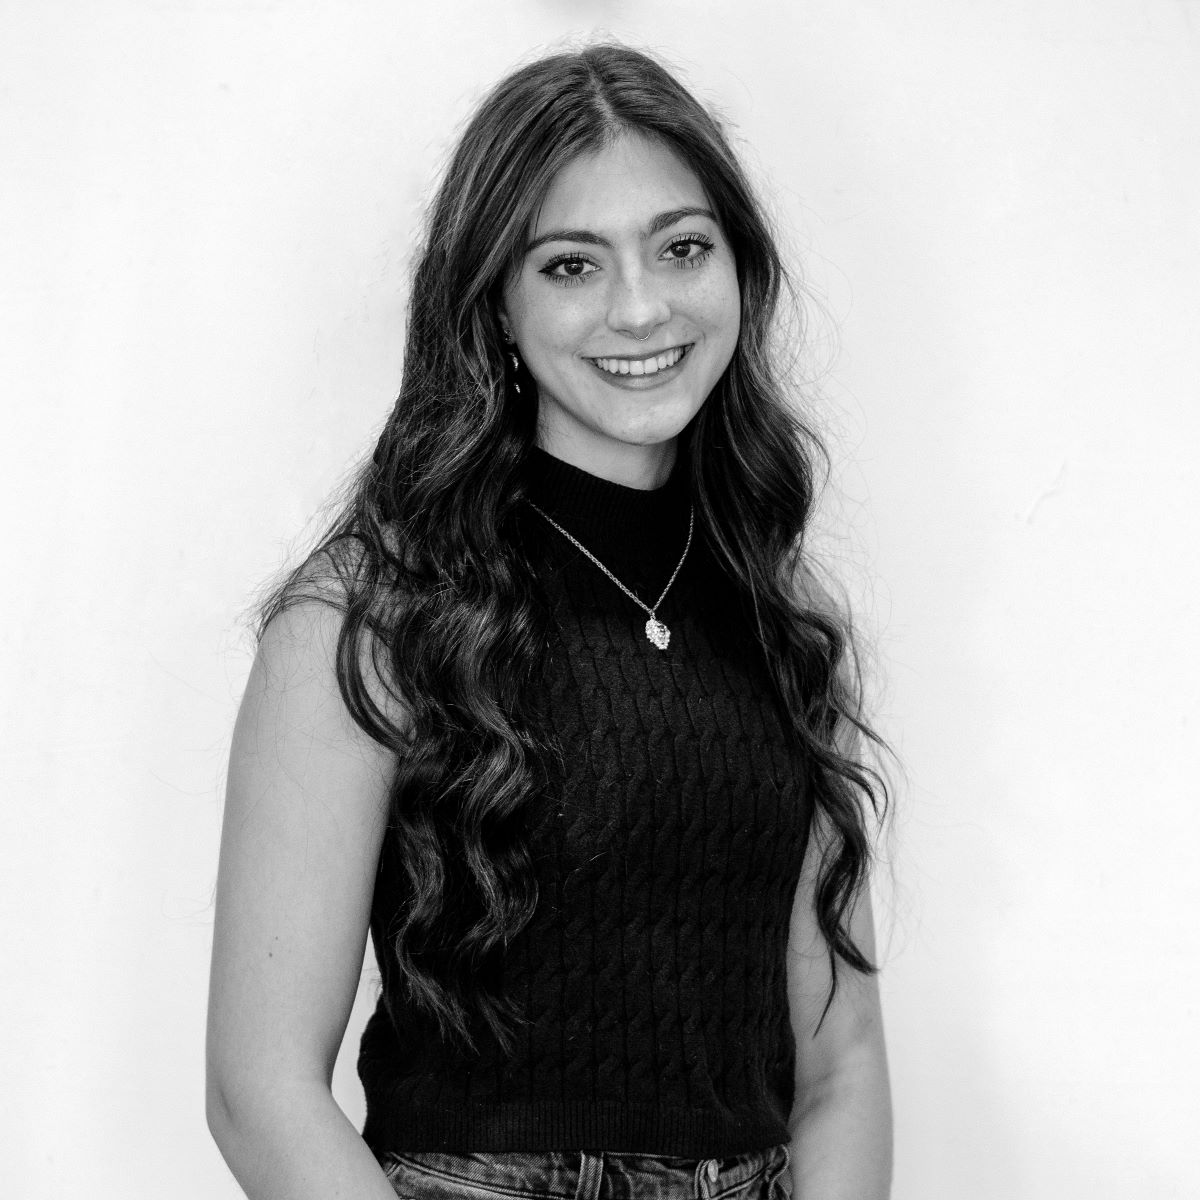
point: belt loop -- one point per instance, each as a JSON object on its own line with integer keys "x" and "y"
{"x": 707, "y": 1170}
{"x": 591, "y": 1172}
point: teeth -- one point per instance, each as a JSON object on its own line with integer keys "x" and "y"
{"x": 640, "y": 366}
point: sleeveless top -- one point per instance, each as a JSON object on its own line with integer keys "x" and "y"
{"x": 652, "y": 975}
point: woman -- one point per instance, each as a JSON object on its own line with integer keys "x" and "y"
{"x": 556, "y": 711}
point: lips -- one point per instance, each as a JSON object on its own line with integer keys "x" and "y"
{"x": 651, "y": 364}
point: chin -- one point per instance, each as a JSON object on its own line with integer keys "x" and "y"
{"x": 657, "y": 428}
{"x": 658, "y": 436}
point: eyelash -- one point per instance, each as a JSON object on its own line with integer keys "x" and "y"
{"x": 706, "y": 245}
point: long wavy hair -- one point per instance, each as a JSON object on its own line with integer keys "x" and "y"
{"x": 442, "y": 626}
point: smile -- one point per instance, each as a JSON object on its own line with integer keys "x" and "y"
{"x": 650, "y": 365}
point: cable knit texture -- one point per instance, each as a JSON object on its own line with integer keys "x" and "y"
{"x": 652, "y": 975}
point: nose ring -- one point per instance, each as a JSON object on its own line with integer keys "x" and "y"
{"x": 640, "y": 339}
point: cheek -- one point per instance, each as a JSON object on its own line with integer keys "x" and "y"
{"x": 722, "y": 310}
{"x": 551, "y": 328}
{"x": 718, "y": 297}
{"x": 548, "y": 321}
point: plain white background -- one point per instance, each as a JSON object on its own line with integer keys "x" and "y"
{"x": 206, "y": 214}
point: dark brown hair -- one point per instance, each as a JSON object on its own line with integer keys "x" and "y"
{"x": 441, "y": 611}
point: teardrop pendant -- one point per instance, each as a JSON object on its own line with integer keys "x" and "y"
{"x": 658, "y": 633}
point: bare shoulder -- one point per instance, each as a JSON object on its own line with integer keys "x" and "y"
{"x": 295, "y": 733}
{"x": 293, "y": 689}
{"x": 297, "y": 659}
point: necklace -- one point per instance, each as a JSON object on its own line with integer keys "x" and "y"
{"x": 656, "y": 632}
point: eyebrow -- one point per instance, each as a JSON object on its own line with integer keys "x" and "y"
{"x": 663, "y": 220}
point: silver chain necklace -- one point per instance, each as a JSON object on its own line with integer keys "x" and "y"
{"x": 657, "y": 633}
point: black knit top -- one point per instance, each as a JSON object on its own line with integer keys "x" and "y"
{"x": 652, "y": 974}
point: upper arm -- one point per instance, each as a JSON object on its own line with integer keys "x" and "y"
{"x": 305, "y": 813}
{"x": 849, "y": 1039}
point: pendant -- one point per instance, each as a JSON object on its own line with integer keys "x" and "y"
{"x": 658, "y": 633}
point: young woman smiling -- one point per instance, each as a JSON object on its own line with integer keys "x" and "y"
{"x": 625, "y": 309}
{"x": 557, "y": 712}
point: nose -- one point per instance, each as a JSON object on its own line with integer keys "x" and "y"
{"x": 637, "y": 304}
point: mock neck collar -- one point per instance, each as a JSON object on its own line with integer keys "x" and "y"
{"x": 609, "y": 517}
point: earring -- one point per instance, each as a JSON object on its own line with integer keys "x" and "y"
{"x": 512, "y": 357}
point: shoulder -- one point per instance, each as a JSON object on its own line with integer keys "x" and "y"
{"x": 320, "y": 673}
{"x": 319, "y": 634}
{"x": 297, "y": 652}
{"x": 293, "y": 700}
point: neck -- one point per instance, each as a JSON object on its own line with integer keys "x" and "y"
{"x": 642, "y": 467}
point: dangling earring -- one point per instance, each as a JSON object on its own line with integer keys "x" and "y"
{"x": 512, "y": 357}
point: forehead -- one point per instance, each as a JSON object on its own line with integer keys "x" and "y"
{"x": 620, "y": 186}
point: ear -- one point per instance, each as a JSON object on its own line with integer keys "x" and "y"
{"x": 505, "y": 327}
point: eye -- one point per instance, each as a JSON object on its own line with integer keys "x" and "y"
{"x": 568, "y": 269}
{"x": 689, "y": 250}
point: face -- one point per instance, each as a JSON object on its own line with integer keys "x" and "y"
{"x": 625, "y": 309}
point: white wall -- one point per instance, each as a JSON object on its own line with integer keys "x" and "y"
{"x": 206, "y": 210}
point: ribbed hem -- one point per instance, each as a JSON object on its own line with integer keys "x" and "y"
{"x": 578, "y": 1125}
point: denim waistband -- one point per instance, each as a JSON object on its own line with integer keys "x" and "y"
{"x": 431, "y": 1175}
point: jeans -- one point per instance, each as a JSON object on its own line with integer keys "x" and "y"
{"x": 762, "y": 1175}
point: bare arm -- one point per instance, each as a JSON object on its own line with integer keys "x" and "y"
{"x": 841, "y": 1127}
{"x": 305, "y": 813}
